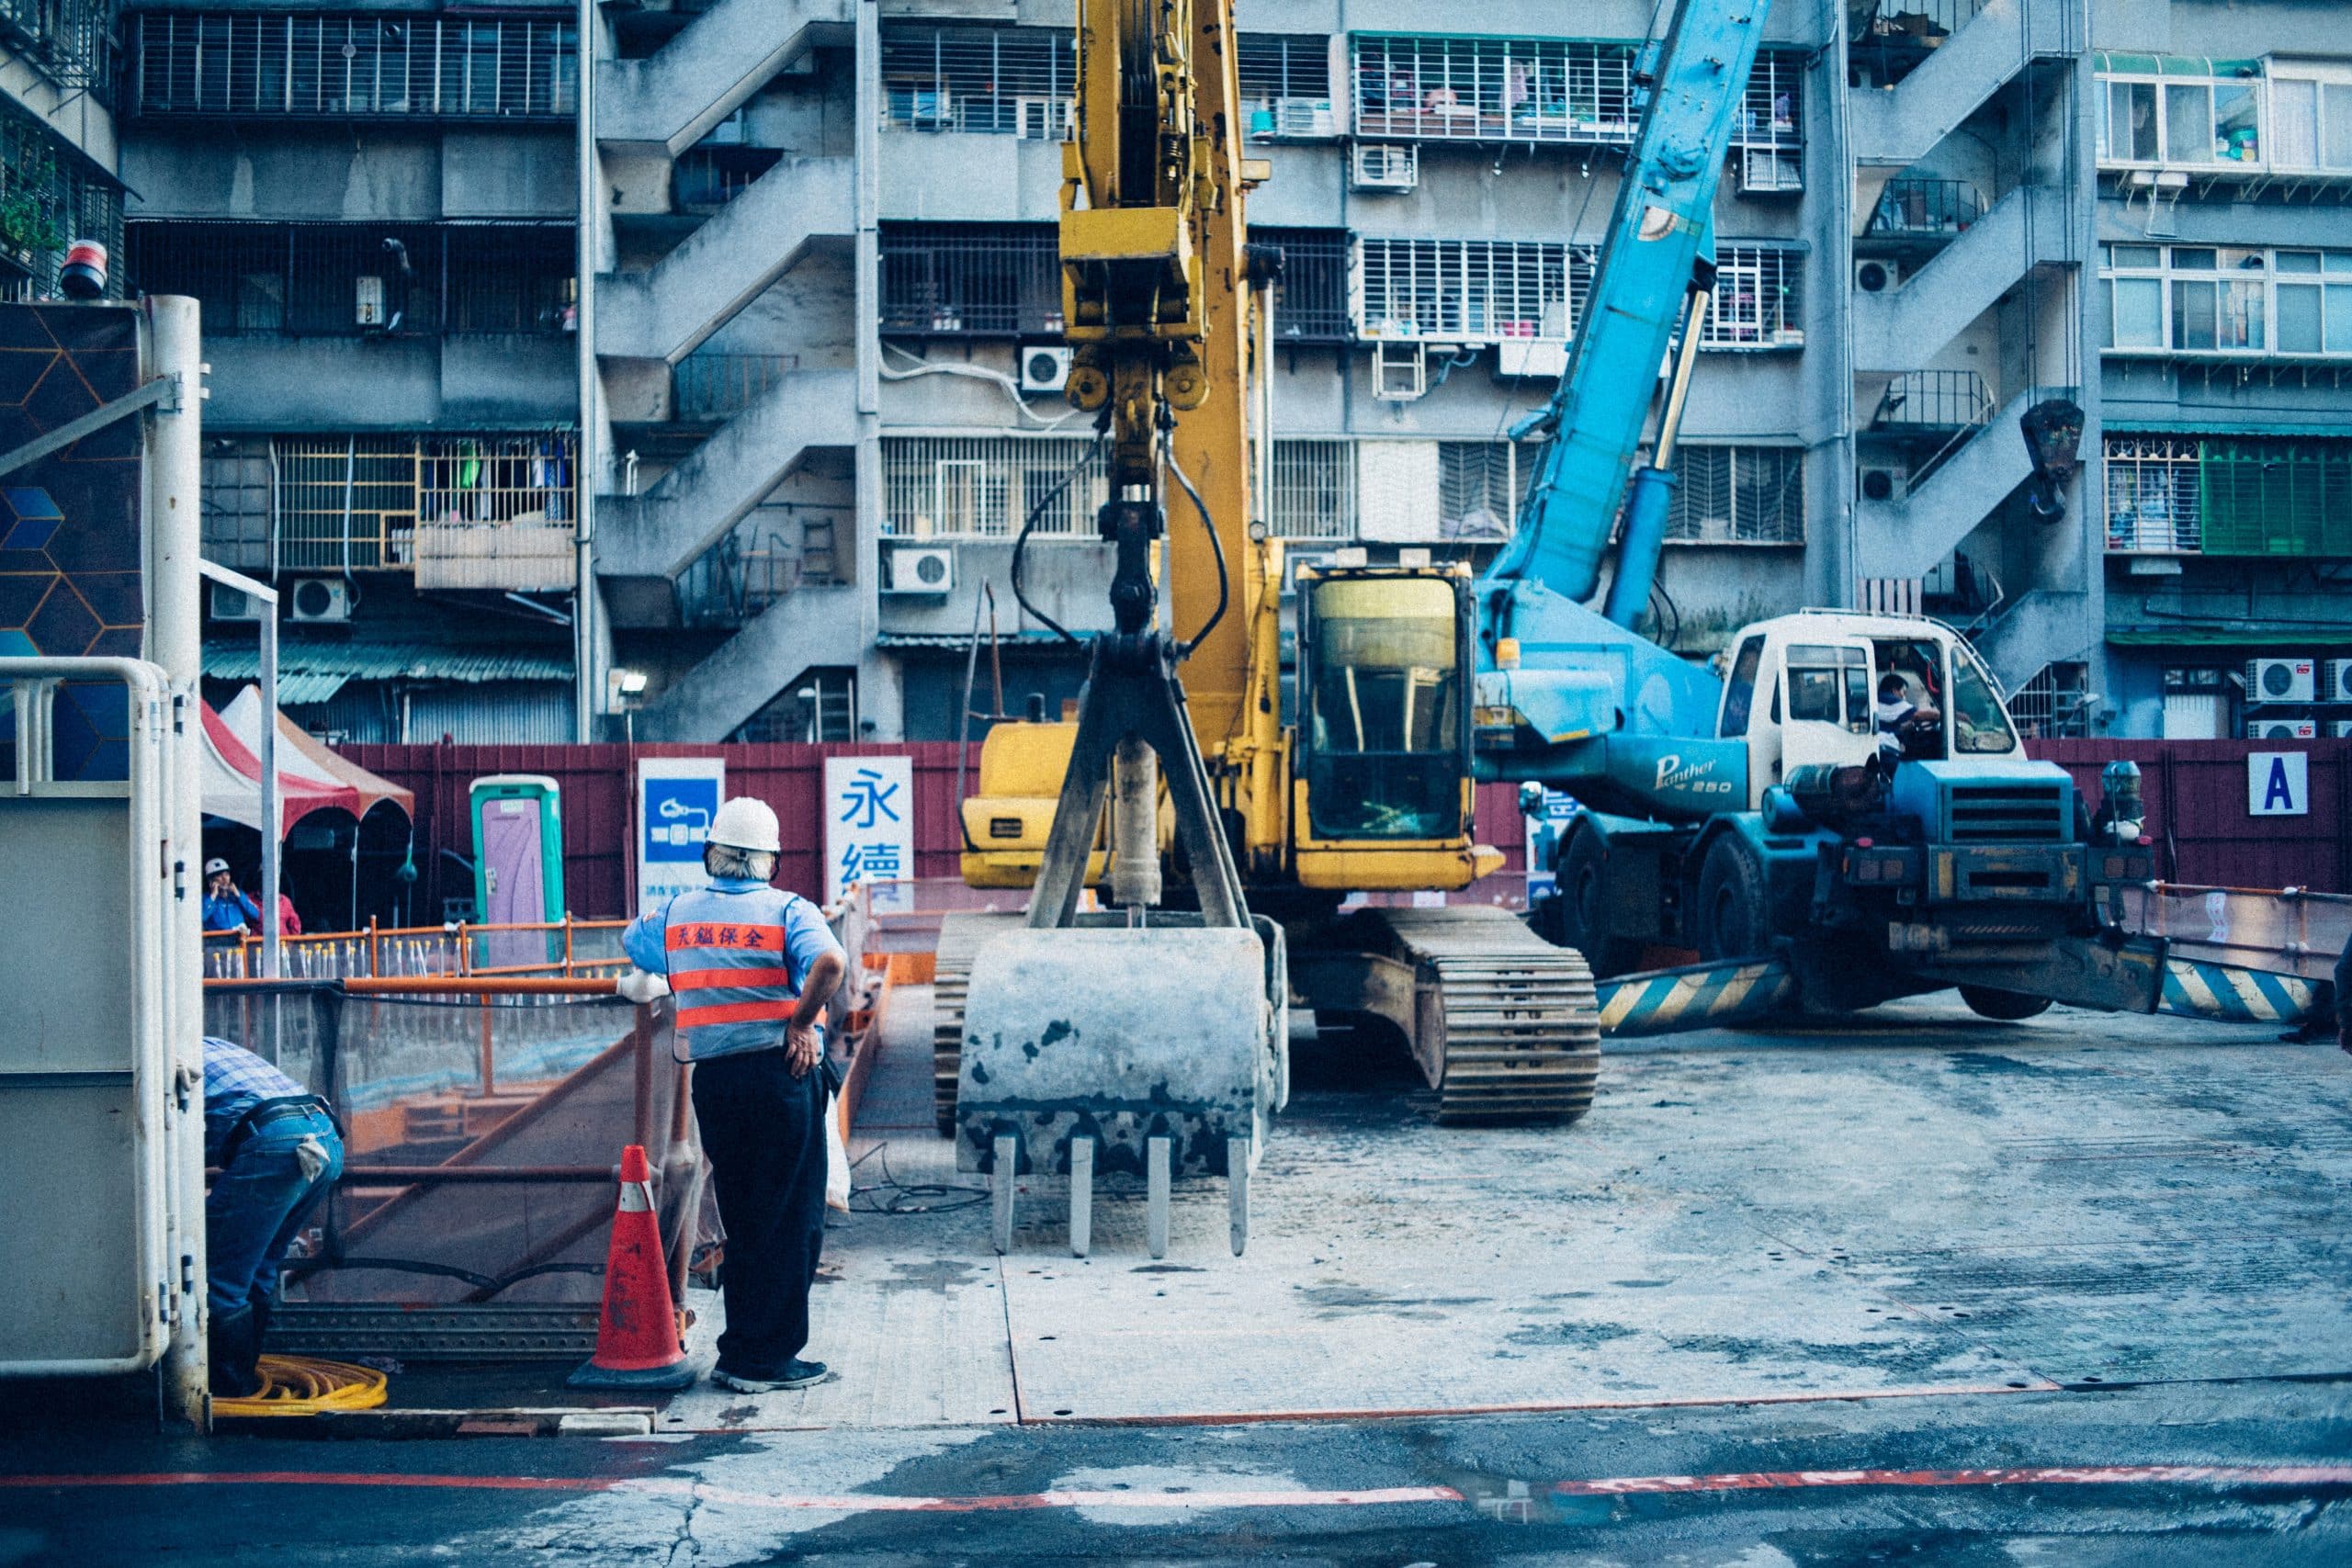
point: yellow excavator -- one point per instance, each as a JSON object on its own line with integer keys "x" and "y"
{"x": 1149, "y": 1036}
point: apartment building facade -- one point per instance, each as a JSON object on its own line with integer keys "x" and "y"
{"x": 824, "y": 393}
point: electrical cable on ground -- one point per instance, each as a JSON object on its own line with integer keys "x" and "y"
{"x": 305, "y": 1385}
{"x": 907, "y": 1198}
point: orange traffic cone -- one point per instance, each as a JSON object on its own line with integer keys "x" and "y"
{"x": 637, "y": 1332}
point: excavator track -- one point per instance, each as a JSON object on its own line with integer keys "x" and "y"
{"x": 1507, "y": 1026}
{"x": 960, "y": 936}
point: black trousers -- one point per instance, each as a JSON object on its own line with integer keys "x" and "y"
{"x": 764, "y": 1135}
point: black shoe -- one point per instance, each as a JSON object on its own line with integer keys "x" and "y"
{"x": 796, "y": 1373}
{"x": 232, "y": 1349}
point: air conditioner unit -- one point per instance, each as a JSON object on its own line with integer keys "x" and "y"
{"x": 2281, "y": 681}
{"x": 1881, "y": 481}
{"x": 1043, "y": 368}
{"x": 921, "y": 569}
{"x": 1874, "y": 277}
{"x": 1304, "y": 117}
{"x": 1379, "y": 165}
{"x": 1544, "y": 358}
{"x": 318, "y": 599}
{"x": 235, "y": 604}
{"x": 370, "y": 310}
{"x": 2336, "y": 680}
{"x": 2281, "y": 729}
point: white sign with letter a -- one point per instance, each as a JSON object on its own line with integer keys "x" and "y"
{"x": 2277, "y": 783}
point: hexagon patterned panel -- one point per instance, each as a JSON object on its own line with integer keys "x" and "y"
{"x": 70, "y": 554}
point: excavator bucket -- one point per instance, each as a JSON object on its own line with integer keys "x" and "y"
{"x": 1149, "y": 1053}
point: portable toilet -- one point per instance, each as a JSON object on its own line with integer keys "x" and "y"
{"x": 518, "y": 868}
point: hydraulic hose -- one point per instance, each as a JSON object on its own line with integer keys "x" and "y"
{"x": 1029, "y": 524}
{"x": 1224, "y": 585}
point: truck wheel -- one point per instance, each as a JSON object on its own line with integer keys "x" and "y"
{"x": 2006, "y": 1007}
{"x": 1583, "y": 912}
{"x": 1731, "y": 920}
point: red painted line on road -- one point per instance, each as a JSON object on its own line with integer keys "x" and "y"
{"x": 2017, "y": 1475}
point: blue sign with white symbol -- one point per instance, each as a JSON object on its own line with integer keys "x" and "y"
{"x": 676, "y": 798}
{"x": 677, "y": 817}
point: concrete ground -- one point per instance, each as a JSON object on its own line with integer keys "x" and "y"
{"x": 2072, "y": 1291}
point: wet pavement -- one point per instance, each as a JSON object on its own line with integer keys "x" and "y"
{"x": 1920, "y": 1288}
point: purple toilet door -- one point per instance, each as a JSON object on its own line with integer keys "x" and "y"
{"x": 510, "y": 847}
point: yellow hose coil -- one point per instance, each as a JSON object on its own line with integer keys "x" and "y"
{"x": 303, "y": 1386}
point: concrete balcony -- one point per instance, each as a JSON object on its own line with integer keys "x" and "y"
{"x": 811, "y": 626}
{"x": 662, "y": 531}
{"x": 1905, "y": 539}
{"x": 1889, "y": 129}
{"x": 1904, "y": 327}
{"x": 727, "y": 261}
{"x": 670, "y": 101}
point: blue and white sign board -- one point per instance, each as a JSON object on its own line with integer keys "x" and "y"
{"x": 2277, "y": 783}
{"x": 1543, "y": 836}
{"x": 676, "y": 798}
{"x": 870, "y": 821}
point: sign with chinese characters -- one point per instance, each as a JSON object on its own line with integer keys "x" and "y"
{"x": 870, "y": 821}
{"x": 676, "y": 798}
{"x": 2279, "y": 784}
{"x": 1543, "y": 836}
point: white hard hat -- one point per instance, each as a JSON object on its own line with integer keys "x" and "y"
{"x": 215, "y": 866}
{"x": 744, "y": 823}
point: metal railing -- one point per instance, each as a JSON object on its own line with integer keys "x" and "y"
{"x": 434, "y": 66}
{"x": 1285, "y": 82}
{"x": 1455, "y": 88}
{"x": 1926, "y": 210}
{"x": 352, "y": 504}
{"x": 1933, "y": 399}
{"x": 2154, "y": 494}
{"x": 708, "y": 388}
{"x": 1894, "y": 38}
{"x": 1311, "y": 295}
{"x": 738, "y": 578}
{"x": 65, "y": 40}
{"x": 566, "y": 947}
{"x": 971, "y": 279}
{"x": 49, "y": 197}
{"x": 981, "y": 80}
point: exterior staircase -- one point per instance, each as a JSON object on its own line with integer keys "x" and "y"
{"x": 1908, "y": 326}
{"x": 817, "y": 624}
{"x": 1906, "y": 538}
{"x": 671, "y": 100}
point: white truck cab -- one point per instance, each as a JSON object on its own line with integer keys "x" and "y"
{"x": 1803, "y": 688}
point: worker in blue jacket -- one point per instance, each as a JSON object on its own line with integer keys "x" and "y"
{"x": 277, "y": 1150}
{"x": 227, "y": 906}
{"x": 753, "y": 968}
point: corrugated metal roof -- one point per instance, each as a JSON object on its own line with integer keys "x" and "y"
{"x": 366, "y": 660}
{"x": 302, "y": 691}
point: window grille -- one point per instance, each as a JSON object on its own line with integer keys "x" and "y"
{"x": 2153, "y": 502}
{"x": 1287, "y": 86}
{"x": 971, "y": 279}
{"x": 352, "y": 502}
{"x": 1493, "y": 89}
{"x": 981, "y": 80}
{"x": 1311, "y": 296}
{"x": 2055, "y": 705}
{"x": 1471, "y": 290}
{"x": 345, "y": 279}
{"x": 65, "y": 40}
{"x": 49, "y": 197}
{"x": 1758, "y": 303}
{"x": 306, "y": 65}
{"x": 237, "y": 500}
{"x": 710, "y": 387}
{"x": 1314, "y": 490}
{"x": 985, "y": 487}
{"x": 1480, "y": 487}
{"x": 1737, "y": 495}
{"x": 1772, "y": 115}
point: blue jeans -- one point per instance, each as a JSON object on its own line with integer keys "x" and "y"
{"x": 257, "y": 1205}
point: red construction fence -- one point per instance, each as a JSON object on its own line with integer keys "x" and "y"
{"x": 2196, "y": 791}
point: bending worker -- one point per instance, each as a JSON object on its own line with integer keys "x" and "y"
{"x": 753, "y": 967}
{"x": 277, "y": 1151}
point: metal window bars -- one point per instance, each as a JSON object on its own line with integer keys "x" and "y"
{"x": 344, "y": 279}
{"x": 979, "y": 80}
{"x": 65, "y": 40}
{"x": 1926, "y": 209}
{"x": 985, "y": 487}
{"x": 2154, "y": 502}
{"x": 1311, "y": 296}
{"x": 706, "y": 178}
{"x": 1758, "y": 302}
{"x": 1468, "y": 291}
{"x": 50, "y": 195}
{"x": 1493, "y": 89}
{"x": 709, "y": 387}
{"x": 1285, "y": 80}
{"x": 353, "y": 502}
{"x": 970, "y": 280}
{"x": 1933, "y": 400}
{"x": 1746, "y": 495}
{"x": 437, "y": 66}
{"x": 1314, "y": 490}
{"x": 2055, "y": 705}
{"x": 748, "y": 569}
{"x": 1480, "y": 487}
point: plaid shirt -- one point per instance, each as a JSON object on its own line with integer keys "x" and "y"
{"x": 236, "y": 1080}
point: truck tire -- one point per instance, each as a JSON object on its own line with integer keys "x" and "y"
{"x": 1582, "y": 921}
{"x": 2004, "y": 1006}
{"x": 1732, "y": 918}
